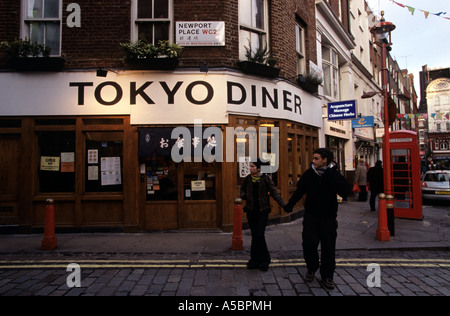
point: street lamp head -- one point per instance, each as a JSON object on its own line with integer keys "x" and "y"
{"x": 382, "y": 29}
{"x": 369, "y": 95}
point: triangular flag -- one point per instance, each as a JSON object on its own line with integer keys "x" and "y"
{"x": 411, "y": 9}
{"x": 426, "y": 14}
{"x": 399, "y": 4}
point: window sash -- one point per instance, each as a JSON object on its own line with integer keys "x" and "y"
{"x": 152, "y": 24}
{"x": 42, "y": 23}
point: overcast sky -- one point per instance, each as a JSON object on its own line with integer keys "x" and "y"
{"x": 418, "y": 41}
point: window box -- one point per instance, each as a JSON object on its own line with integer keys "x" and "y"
{"x": 37, "y": 63}
{"x": 308, "y": 85}
{"x": 141, "y": 55}
{"x": 257, "y": 69}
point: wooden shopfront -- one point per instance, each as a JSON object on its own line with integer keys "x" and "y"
{"x": 80, "y": 140}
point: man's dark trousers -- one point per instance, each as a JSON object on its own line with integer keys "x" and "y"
{"x": 321, "y": 230}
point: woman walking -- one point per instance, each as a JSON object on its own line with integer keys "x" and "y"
{"x": 255, "y": 191}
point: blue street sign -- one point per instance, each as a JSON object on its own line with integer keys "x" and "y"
{"x": 367, "y": 121}
{"x": 342, "y": 110}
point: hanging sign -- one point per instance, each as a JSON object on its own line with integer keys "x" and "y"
{"x": 342, "y": 110}
{"x": 367, "y": 121}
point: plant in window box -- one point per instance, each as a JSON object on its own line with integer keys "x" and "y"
{"x": 260, "y": 63}
{"x": 310, "y": 82}
{"x": 142, "y": 55}
{"x": 25, "y": 55}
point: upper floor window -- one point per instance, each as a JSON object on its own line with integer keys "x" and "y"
{"x": 253, "y": 24}
{"x": 330, "y": 72}
{"x": 300, "y": 47}
{"x": 42, "y": 23}
{"x": 152, "y": 20}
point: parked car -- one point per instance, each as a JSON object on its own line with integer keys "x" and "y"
{"x": 436, "y": 185}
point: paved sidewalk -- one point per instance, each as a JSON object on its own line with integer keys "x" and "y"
{"x": 357, "y": 230}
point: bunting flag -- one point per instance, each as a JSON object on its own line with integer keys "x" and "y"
{"x": 435, "y": 116}
{"x": 441, "y": 14}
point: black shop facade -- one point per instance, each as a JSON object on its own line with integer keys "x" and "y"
{"x": 144, "y": 150}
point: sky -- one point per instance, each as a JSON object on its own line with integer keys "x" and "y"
{"x": 418, "y": 41}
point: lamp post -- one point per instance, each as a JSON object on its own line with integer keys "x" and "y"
{"x": 382, "y": 32}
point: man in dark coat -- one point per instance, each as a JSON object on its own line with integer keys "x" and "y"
{"x": 321, "y": 183}
{"x": 375, "y": 179}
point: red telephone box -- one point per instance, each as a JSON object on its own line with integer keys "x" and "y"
{"x": 405, "y": 174}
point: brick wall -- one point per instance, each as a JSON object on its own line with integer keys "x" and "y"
{"x": 106, "y": 23}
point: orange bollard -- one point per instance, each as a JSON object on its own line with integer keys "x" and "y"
{"x": 383, "y": 233}
{"x": 49, "y": 242}
{"x": 237, "y": 242}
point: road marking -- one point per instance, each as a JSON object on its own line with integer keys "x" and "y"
{"x": 216, "y": 263}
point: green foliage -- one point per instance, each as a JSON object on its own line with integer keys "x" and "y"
{"x": 142, "y": 50}
{"x": 26, "y": 48}
{"x": 260, "y": 56}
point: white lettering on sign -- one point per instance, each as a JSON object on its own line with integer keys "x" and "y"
{"x": 200, "y": 33}
{"x": 400, "y": 140}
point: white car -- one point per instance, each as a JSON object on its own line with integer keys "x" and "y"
{"x": 436, "y": 185}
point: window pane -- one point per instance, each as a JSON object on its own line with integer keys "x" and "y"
{"x": 56, "y": 161}
{"x": 161, "y": 180}
{"x": 335, "y": 83}
{"x": 326, "y": 80}
{"x": 258, "y": 14}
{"x": 326, "y": 53}
{"x": 145, "y": 9}
{"x": 51, "y": 8}
{"x": 104, "y": 162}
{"x": 52, "y": 37}
{"x": 145, "y": 31}
{"x": 34, "y": 9}
{"x": 161, "y": 32}
{"x": 245, "y": 11}
{"x": 206, "y": 174}
{"x": 161, "y": 9}
{"x": 37, "y": 32}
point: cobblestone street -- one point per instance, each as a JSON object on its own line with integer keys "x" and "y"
{"x": 401, "y": 273}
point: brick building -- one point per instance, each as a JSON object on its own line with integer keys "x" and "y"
{"x": 102, "y": 147}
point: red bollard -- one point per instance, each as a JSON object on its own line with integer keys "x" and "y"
{"x": 237, "y": 242}
{"x": 383, "y": 233}
{"x": 49, "y": 242}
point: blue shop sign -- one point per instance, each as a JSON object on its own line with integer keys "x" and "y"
{"x": 366, "y": 121}
{"x": 342, "y": 110}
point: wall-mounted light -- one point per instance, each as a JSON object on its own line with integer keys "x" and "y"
{"x": 102, "y": 72}
{"x": 204, "y": 67}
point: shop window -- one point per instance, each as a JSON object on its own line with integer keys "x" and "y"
{"x": 42, "y": 23}
{"x": 104, "y": 162}
{"x": 153, "y": 20}
{"x": 56, "y": 162}
{"x": 199, "y": 181}
{"x": 161, "y": 180}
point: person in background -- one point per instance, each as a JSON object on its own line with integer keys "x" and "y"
{"x": 376, "y": 184}
{"x": 361, "y": 180}
{"x": 255, "y": 191}
{"x": 321, "y": 183}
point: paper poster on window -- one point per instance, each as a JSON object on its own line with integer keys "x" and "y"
{"x": 199, "y": 185}
{"x": 68, "y": 162}
{"x": 92, "y": 156}
{"x": 244, "y": 166}
{"x": 93, "y": 173}
{"x": 110, "y": 171}
{"x": 50, "y": 163}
